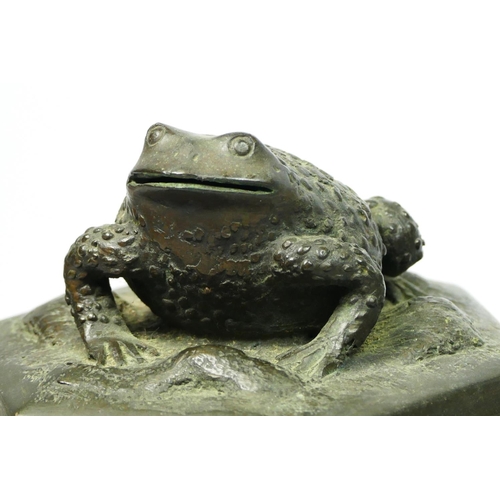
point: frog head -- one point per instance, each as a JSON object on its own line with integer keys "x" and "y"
{"x": 183, "y": 179}
{"x": 236, "y": 163}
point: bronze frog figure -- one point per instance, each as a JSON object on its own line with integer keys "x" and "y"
{"x": 225, "y": 235}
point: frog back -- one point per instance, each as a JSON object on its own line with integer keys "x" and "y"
{"x": 327, "y": 207}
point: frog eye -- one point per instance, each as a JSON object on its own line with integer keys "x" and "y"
{"x": 242, "y": 145}
{"x": 155, "y": 134}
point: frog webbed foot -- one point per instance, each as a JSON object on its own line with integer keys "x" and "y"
{"x": 119, "y": 349}
{"x": 312, "y": 361}
{"x": 403, "y": 288}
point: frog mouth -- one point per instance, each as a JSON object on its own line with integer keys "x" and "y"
{"x": 164, "y": 181}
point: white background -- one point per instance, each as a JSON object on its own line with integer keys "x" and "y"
{"x": 399, "y": 99}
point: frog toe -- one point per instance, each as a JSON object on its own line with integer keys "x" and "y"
{"x": 147, "y": 349}
{"x": 119, "y": 352}
{"x": 131, "y": 352}
{"x": 310, "y": 361}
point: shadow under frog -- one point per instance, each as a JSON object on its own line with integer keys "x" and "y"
{"x": 224, "y": 235}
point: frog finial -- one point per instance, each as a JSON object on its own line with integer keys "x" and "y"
{"x": 224, "y": 235}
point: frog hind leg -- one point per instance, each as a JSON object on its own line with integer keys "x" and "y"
{"x": 99, "y": 254}
{"x": 400, "y": 234}
{"x": 353, "y": 318}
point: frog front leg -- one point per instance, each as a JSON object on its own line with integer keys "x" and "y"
{"x": 349, "y": 267}
{"x": 101, "y": 253}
